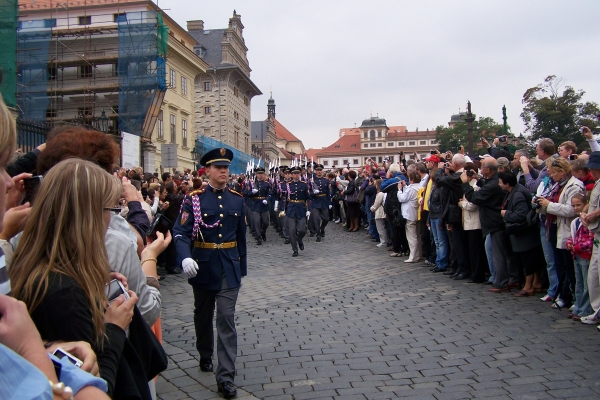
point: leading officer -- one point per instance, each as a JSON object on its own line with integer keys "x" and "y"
{"x": 210, "y": 238}
{"x": 297, "y": 195}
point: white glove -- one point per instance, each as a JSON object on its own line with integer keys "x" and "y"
{"x": 264, "y": 201}
{"x": 276, "y": 205}
{"x": 254, "y": 191}
{"x": 316, "y": 191}
{"x": 190, "y": 268}
{"x": 307, "y": 214}
{"x": 330, "y": 206}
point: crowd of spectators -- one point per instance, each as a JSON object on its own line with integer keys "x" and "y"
{"x": 515, "y": 223}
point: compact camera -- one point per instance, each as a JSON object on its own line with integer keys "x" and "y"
{"x": 502, "y": 138}
{"x": 114, "y": 289}
{"x": 470, "y": 173}
{"x": 60, "y": 354}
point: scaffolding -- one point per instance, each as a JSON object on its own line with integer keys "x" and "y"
{"x": 73, "y": 72}
{"x": 8, "y": 51}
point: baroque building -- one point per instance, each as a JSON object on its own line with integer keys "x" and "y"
{"x": 223, "y": 93}
{"x": 375, "y": 140}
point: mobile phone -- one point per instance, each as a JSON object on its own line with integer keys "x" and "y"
{"x": 31, "y": 187}
{"x": 573, "y": 157}
{"x": 60, "y": 354}
{"x": 114, "y": 289}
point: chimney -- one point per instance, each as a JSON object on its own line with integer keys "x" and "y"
{"x": 195, "y": 25}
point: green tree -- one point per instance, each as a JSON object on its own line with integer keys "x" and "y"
{"x": 451, "y": 138}
{"x": 556, "y": 111}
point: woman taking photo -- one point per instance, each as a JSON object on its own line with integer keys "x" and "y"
{"x": 556, "y": 204}
{"x": 60, "y": 267}
{"x": 351, "y": 193}
{"x": 525, "y": 241}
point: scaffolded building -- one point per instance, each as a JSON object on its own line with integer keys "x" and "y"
{"x": 77, "y": 62}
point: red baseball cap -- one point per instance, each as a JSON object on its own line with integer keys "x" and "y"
{"x": 433, "y": 158}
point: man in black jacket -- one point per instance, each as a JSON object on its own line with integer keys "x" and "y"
{"x": 453, "y": 216}
{"x": 489, "y": 199}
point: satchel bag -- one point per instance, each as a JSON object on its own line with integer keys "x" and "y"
{"x": 353, "y": 197}
{"x": 361, "y": 196}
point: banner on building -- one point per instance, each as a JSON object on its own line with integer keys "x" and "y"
{"x": 131, "y": 150}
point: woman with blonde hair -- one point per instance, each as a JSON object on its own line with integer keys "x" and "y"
{"x": 60, "y": 267}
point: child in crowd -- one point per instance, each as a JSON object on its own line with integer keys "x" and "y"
{"x": 580, "y": 243}
{"x": 377, "y": 208}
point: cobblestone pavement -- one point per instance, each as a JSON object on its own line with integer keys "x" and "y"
{"x": 346, "y": 321}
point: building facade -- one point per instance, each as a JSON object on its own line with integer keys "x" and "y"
{"x": 375, "y": 140}
{"x": 124, "y": 60}
{"x": 223, "y": 94}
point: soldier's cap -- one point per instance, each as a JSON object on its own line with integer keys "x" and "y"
{"x": 285, "y": 170}
{"x": 318, "y": 167}
{"x": 259, "y": 170}
{"x": 221, "y": 156}
{"x": 295, "y": 169}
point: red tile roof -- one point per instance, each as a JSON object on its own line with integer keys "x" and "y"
{"x": 286, "y": 154}
{"x": 311, "y": 153}
{"x": 349, "y": 131}
{"x": 346, "y": 144}
{"x": 282, "y": 132}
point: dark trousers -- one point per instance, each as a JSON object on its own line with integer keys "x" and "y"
{"x": 204, "y": 308}
{"x": 261, "y": 222}
{"x": 320, "y": 218}
{"x": 460, "y": 250}
{"x": 475, "y": 246}
{"x": 565, "y": 269}
{"x": 425, "y": 234}
{"x": 399, "y": 241}
{"x": 296, "y": 230}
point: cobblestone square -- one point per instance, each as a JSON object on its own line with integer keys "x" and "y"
{"x": 345, "y": 321}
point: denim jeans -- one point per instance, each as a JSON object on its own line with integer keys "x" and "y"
{"x": 371, "y": 220}
{"x": 488, "y": 254}
{"x": 441, "y": 243}
{"x": 550, "y": 266}
{"x": 582, "y": 296}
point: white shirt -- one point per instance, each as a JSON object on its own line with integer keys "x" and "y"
{"x": 408, "y": 201}
{"x": 423, "y": 182}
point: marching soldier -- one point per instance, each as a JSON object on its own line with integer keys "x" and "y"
{"x": 260, "y": 194}
{"x": 282, "y": 206}
{"x": 321, "y": 202}
{"x": 296, "y": 213}
{"x": 210, "y": 238}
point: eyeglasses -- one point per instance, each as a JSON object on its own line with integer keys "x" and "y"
{"x": 115, "y": 210}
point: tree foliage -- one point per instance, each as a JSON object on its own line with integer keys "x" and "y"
{"x": 451, "y": 138}
{"x": 556, "y": 111}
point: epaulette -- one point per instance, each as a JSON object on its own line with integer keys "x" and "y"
{"x": 234, "y": 192}
{"x": 195, "y": 192}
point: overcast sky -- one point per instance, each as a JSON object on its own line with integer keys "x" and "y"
{"x": 330, "y": 63}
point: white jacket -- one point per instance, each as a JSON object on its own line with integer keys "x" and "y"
{"x": 564, "y": 211}
{"x": 408, "y": 199}
{"x": 470, "y": 213}
{"x": 377, "y": 206}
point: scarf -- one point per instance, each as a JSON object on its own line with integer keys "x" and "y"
{"x": 553, "y": 196}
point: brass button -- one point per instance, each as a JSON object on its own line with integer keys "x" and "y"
{"x": 221, "y": 205}
{"x": 236, "y": 214}
{"x": 220, "y": 235}
{"x": 219, "y": 197}
{"x": 206, "y": 215}
{"x": 220, "y": 225}
{"x": 221, "y": 215}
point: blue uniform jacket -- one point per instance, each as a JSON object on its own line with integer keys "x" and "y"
{"x": 323, "y": 199}
{"x": 264, "y": 193}
{"x": 226, "y": 207}
{"x": 297, "y": 198}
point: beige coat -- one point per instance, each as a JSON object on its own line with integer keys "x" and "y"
{"x": 470, "y": 211}
{"x": 377, "y": 206}
{"x": 564, "y": 211}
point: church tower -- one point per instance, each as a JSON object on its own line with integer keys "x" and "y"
{"x": 271, "y": 108}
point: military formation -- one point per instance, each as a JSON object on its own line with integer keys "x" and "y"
{"x": 210, "y": 239}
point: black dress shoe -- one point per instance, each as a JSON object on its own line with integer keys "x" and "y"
{"x": 227, "y": 389}
{"x": 206, "y": 365}
{"x": 287, "y": 241}
{"x": 264, "y": 238}
{"x": 174, "y": 271}
{"x": 312, "y": 234}
{"x": 318, "y": 238}
{"x": 295, "y": 253}
{"x": 301, "y": 245}
{"x": 322, "y": 233}
{"x": 460, "y": 277}
{"x": 450, "y": 272}
{"x": 436, "y": 270}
